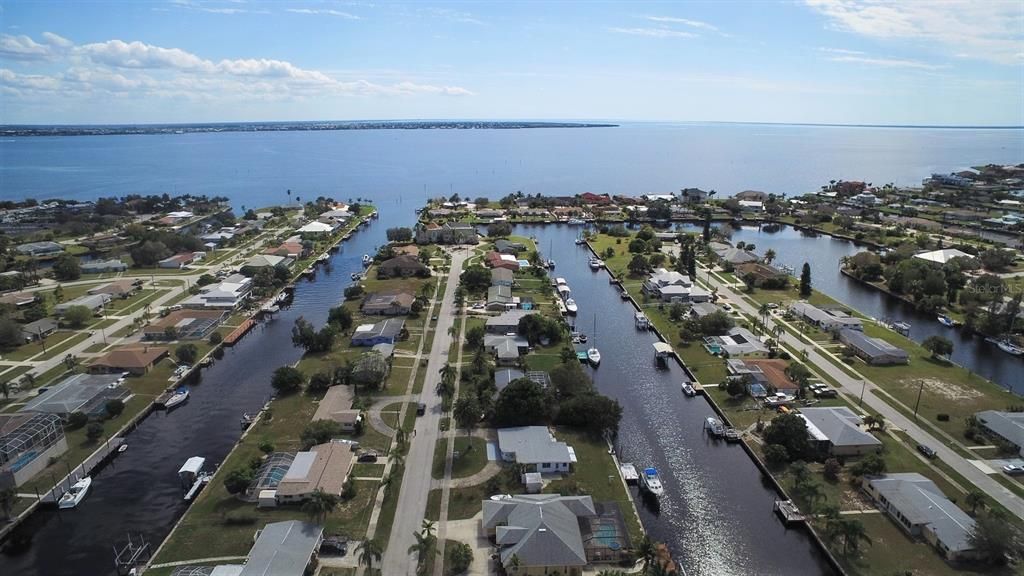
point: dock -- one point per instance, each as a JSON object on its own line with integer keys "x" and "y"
{"x": 108, "y": 450}
{"x": 629, "y": 474}
{"x": 788, "y": 511}
{"x": 237, "y": 333}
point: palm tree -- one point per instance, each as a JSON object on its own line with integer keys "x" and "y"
{"x": 369, "y": 552}
{"x": 427, "y": 527}
{"x": 319, "y": 505}
{"x": 397, "y": 459}
{"x": 853, "y": 534}
{"x": 8, "y": 496}
{"x": 769, "y": 255}
{"x": 401, "y": 437}
{"x": 764, "y": 311}
{"x": 425, "y": 547}
{"x": 646, "y": 552}
{"x": 5, "y": 388}
{"x": 975, "y": 499}
{"x": 448, "y": 372}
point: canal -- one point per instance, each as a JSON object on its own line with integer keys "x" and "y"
{"x": 716, "y": 515}
{"x": 793, "y": 247}
{"x": 139, "y": 491}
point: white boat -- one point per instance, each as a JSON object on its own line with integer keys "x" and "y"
{"x": 594, "y": 355}
{"x": 180, "y": 395}
{"x": 714, "y": 427}
{"x": 1009, "y": 348}
{"x": 575, "y": 222}
{"x": 75, "y": 494}
{"x": 946, "y": 320}
{"x": 651, "y": 481}
{"x": 560, "y": 281}
{"x": 641, "y": 321}
{"x": 323, "y": 257}
{"x": 122, "y": 448}
{"x": 570, "y": 305}
{"x": 688, "y": 390}
{"x": 367, "y": 259}
{"x": 550, "y": 264}
{"x": 580, "y": 240}
{"x": 596, "y": 264}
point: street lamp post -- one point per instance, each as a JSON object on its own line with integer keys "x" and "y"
{"x": 863, "y": 385}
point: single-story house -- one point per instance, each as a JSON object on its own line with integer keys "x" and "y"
{"x": 751, "y": 206}
{"x": 323, "y": 467}
{"x": 86, "y": 393}
{"x": 18, "y": 299}
{"x": 39, "y": 329}
{"x": 502, "y": 277}
{"x": 702, "y": 309}
{"x": 738, "y": 341}
{"x": 402, "y": 267}
{"x": 733, "y": 255}
{"x": 135, "y": 360}
{"x": 774, "y": 374}
{"x": 693, "y": 195}
{"x": 506, "y": 322}
{"x": 874, "y": 351}
{"x": 831, "y": 319}
{"x": 185, "y": 324}
{"x": 316, "y": 228}
{"x": 761, "y": 274}
{"x": 177, "y": 261}
{"x": 752, "y": 195}
{"x": 392, "y": 304}
{"x": 498, "y": 260}
{"x": 448, "y": 233}
{"x": 103, "y": 266}
{"x": 267, "y": 261}
{"x": 336, "y": 405}
{"x": 36, "y": 249}
{"x": 117, "y": 288}
{"x": 536, "y": 448}
{"x": 1007, "y": 426}
{"x": 293, "y": 250}
{"x": 94, "y": 302}
{"x": 506, "y": 247}
{"x": 836, "y": 431}
{"x": 942, "y": 256}
{"x": 920, "y": 509}
{"x": 28, "y": 441}
{"x": 539, "y": 533}
{"x": 507, "y": 349}
{"x": 504, "y": 376}
{"x": 500, "y": 298}
{"x": 226, "y": 295}
{"x": 383, "y": 332}
{"x": 284, "y": 549}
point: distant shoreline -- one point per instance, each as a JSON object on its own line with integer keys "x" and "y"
{"x": 128, "y": 129}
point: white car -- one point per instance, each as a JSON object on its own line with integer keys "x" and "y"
{"x": 727, "y": 307}
{"x": 1013, "y": 469}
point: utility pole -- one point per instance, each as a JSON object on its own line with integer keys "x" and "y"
{"x": 920, "y": 389}
{"x": 863, "y": 385}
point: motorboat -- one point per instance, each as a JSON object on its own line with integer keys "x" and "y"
{"x": 357, "y": 276}
{"x": 594, "y": 356}
{"x": 576, "y": 222}
{"x": 323, "y": 257}
{"x": 550, "y": 264}
{"x": 946, "y": 321}
{"x": 559, "y": 281}
{"x": 732, "y": 435}
{"x": 651, "y": 482}
{"x": 122, "y": 448}
{"x": 596, "y": 264}
{"x": 180, "y": 396}
{"x": 1009, "y": 347}
{"x": 367, "y": 259}
{"x": 714, "y": 427}
{"x": 689, "y": 390}
{"x": 75, "y": 494}
{"x": 580, "y": 240}
{"x": 570, "y": 305}
{"x": 641, "y": 321}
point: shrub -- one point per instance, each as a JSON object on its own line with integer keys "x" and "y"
{"x": 216, "y": 338}
{"x": 776, "y": 454}
{"x": 114, "y": 408}
{"x": 238, "y": 480}
{"x": 77, "y": 420}
{"x": 942, "y": 417}
{"x": 239, "y": 518}
{"x": 266, "y": 447}
{"x": 831, "y": 470}
{"x": 94, "y": 431}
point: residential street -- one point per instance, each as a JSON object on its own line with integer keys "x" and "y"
{"x": 416, "y": 482}
{"x": 853, "y": 387}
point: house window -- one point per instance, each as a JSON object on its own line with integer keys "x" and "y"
{"x": 546, "y": 465}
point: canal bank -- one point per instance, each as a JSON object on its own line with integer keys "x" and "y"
{"x": 717, "y": 514}
{"x": 139, "y": 492}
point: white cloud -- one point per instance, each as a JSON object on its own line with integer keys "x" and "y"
{"x": 24, "y": 48}
{"x": 888, "y": 62}
{"x": 136, "y": 69}
{"x": 213, "y": 8}
{"x": 324, "y": 11}
{"x": 684, "y": 21}
{"x": 841, "y": 51}
{"x": 654, "y": 32}
{"x": 986, "y": 30}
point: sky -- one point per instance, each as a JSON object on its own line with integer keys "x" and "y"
{"x": 955, "y": 62}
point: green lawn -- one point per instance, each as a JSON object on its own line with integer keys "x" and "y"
{"x": 367, "y": 470}
{"x": 472, "y": 459}
{"x": 434, "y": 505}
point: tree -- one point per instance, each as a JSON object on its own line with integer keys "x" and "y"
{"x": 994, "y": 537}
{"x": 638, "y": 246}
{"x": 113, "y": 408}
{"x": 499, "y": 229}
{"x": 77, "y": 420}
{"x": 646, "y": 552}
{"x": 522, "y": 403}
{"x": 475, "y": 337}
{"x": 789, "y": 431}
{"x": 370, "y": 551}
{"x": 639, "y": 265}
{"x": 805, "y": 280}
{"x": 938, "y": 345}
{"x": 216, "y": 338}
{"x": 466, "y": 413}
{"x": 458, "y": 557}
{"x": 425, "y": 549}
{"x": 314, "y": 341}
{"x": 287, "y": 380}
{"x": 676, "y": 312}
{"x": 769, "y": 256}
{"x": 737, "y": 386}
{"x": 320, "y": 382}
{"x": 593, "y": 412}
{"x": 476, "y": 278}
{"x": 340, "y": 317}
{"x": 537, "y": 327}
{"x": 831, "y": 469}
{"x": 853, "y": 534}
{"x": 10, "y": 333}
{"x": 776, "y": 454}
{"x": 401, "y": 234}
{"x": 319, "y": 432}
{"x": 870, "y": 465}
{"x": 94, "y": 431}
{"x": 319, "y": 504}
{"x": 975, "y": 499}
{"x": 76, "y": 316}
{"x": 186, "y": 353}
{"x": 66, "y": 268}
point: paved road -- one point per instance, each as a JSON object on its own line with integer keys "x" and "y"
{"x": 854, "y": 386}
{"x": 416, "y": 482}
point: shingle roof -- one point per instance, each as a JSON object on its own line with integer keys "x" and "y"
{"x": 922, "y": 502}
{"x": 1009, "y": 425}
{"x": 873, "y": 347}
{"x": 839, "y": 425}
{"x": 539, "y": 530}
{"x": 283, "y": 549}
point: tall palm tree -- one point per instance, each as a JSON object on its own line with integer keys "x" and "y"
{"x": 764, "y": 311}
{"x": 769, "y": 255}
{"x": 5, "y": 388}
{"x": 646, "y": 552}
{"x": 448, "y": 372}
{"x": 427, "y": 527}
{"x": 319, "y": 505}
{"x": 853, "y": 534}
{"x": 425, "y": 548}
{"x": 975, "y": 499}
{"x": 370, "y": 551}
{"x": 397, "y": 459}
{"x": 401, "y": 437}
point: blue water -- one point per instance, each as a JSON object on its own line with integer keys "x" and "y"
{"x": 255, "y": 168}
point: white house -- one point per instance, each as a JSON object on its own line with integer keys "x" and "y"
{"x": 536, "y": 448}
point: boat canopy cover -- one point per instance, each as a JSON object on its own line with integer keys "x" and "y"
{"x": 650, "y": 471}
{"x": 192, "y": 465}
{"x": 662, "y": 348}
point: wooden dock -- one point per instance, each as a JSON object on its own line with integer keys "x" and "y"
{"x": 237, "y": 333}
{"x": 108, "y": 450}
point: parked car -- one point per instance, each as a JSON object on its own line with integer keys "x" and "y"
{"x": 367, "y": 457}
{"x": 1013, "y": 469}
{"x": 421, "y": 409}
{"x": 928, "y": 452}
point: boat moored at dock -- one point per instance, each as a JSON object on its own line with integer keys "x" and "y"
{"x": 641, "y": 321}
{"x": 651, "y": 482}
{"x": 714, "y": 428}
{"x": 179, "y": 397}
{"x": 688, "y": 390}
{"x": 594, "y": 356}
{"x": 570, "y": 306}
{"x": 75, "y": 494}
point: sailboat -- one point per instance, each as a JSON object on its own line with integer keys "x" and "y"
{"x": 593, "y": 354}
